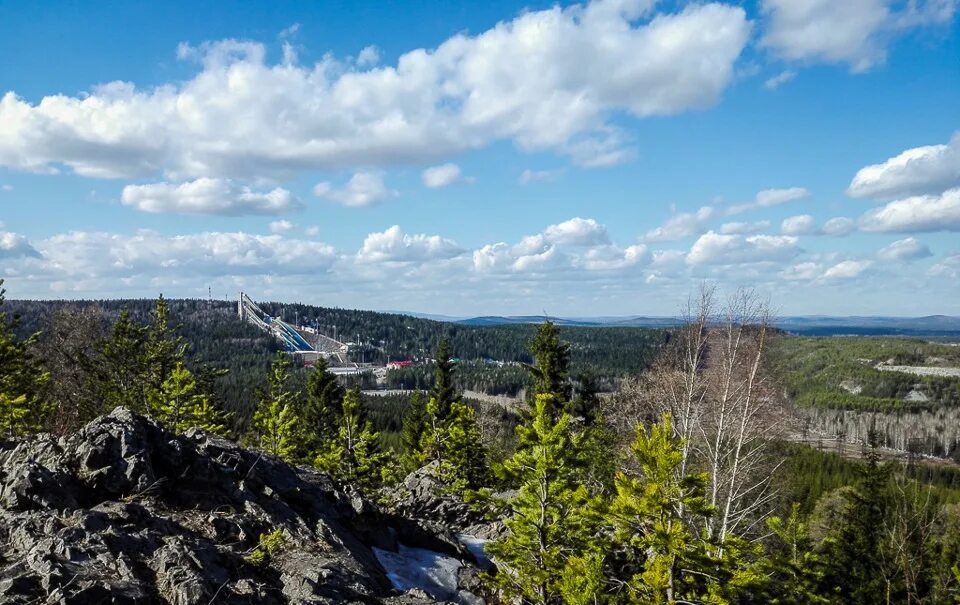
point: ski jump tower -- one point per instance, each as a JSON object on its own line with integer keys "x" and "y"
{"x": 288, "y": 335}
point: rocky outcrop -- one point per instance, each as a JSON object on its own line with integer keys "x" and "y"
{"x": 126, "y": 512}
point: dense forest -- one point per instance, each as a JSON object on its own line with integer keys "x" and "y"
{"x": 678, "y": 489}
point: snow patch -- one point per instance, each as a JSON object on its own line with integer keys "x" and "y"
{"x": 477, "y": 547}
{"x": 428, "y": 570}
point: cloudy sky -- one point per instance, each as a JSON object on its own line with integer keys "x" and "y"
{"x": 497, "y": 158}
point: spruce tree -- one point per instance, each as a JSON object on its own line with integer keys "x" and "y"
{"x": 551, "y": 519}
{"x": 411, "y": 435}
{"x": 324, "y": 403}
{"x": 163, "y": 349}
{"x": 443, "y": 392}
{"x": 121, "y": 377}
{"x": 276, "y": 423}
{"x": 464, "y": 450}
{"x": 551, "y": 368}
{"x": 22, "y": 407}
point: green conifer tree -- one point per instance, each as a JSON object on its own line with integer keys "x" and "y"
{"x": 163, "y": 349}
{"x": 464, "y": 450}
{"x": 121, "y": 372}
{"x": 552, "y": 518}
{"x": 179, "y": 404}
{"x": 551, "y": 368}
{"x": 276, "y": 423}
{"x": 443, "y": 392}
{"x": 324, "y": 404}
{"x": 648, "y": 519}
{"x": 22, "y": 408}
{"x": 355, "y": 456}
{"x": 411, "y": 435}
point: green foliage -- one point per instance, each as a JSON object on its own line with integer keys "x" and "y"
{"x": 179, "y": 404}
{"x": 354, "y": 455}
{"x": 277, "y": 424}
{"x": 411, "y": 437}
{"x": 649, "y": 517}
{"x": 22, "y": 408}
{"x": 552, "y": 517}
{"x": 443, "y": 393}
{"x": 269, "y": 545}
{"x": 120, "y": 367}
{"x": 551, "y": 369}
{"x": 324, "y": 403}
{"x": 464, "y": 450}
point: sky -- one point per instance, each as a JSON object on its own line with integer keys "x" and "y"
{"x": 591, "y": 159}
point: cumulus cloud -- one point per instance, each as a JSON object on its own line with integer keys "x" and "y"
{"x": 917, "y": 213}
{"x": 907, "y": 249}
{"x": 803, "y": 224}
{"x": 545, "y": 80}
{"x": 685, "y": 224}
{"x": 577, "y": 232}
{"x": 741, "y": 228}
{"x": 208, "y": 196}
{"x": 917, "y": 171}
{"x": 949, "y": 267}
{"x": 771, "y": 197}
{"x": 368, "y": 56}
{"x": 806, "y": 271}
{"x": 718, "y": 249}
{"x": 363, "y": 189}
{"x": 442, "y": 176}
{"x": 501, "y": 257}
{"x": 312, "y": 231}
{"x": 393, "y": 245}
{"x": 779, "y": 80}
{"x": 612, "y": 258}
{"x": 281, "y": 226}
{"x": 14, "y": 245}
{"x": 853, "y": 32}
{"x": 839, "y": 226}
{"x": 847, "y": 269}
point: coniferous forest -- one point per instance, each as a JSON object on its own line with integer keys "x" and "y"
{"x": 678, "y": 484}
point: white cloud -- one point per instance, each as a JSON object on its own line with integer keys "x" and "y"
{"x": 741, "y": 228}
{"x": 847, "y": 269}
{"x": 917, "y": 213}
{"x": 208, "y": 196}
{"x": 779, "y": 80}
{"x": 613, "y": 258}
{"x": 442, "y": 176}
{"x": 281, "y": 226}
{"x": 577, "y": 232}
{"x": 839, "y": 226}
{"x": 363, "y": 189}
{"x": 368, "y": 56}
{"x": 907, "y": 249}
{"x": 718, "y": 249}
{"x": 803, "y": 224}
{"x": 14, "y": 245}
{"x": 806, "y": 271}
{"x": 502, "y": 257}
{"x": 529, "y": 176}
{"x": 312, "y": 231}
{"x": 393, "y": 245}
{"x": 546, "y": 80}
{"x": 949, "y": 267}
{"x": 917, "y": 171}
{"x": 685, "y": 224}
{"x": 854, "y": 32}
{"x": 6, "y": 187}
{"x": 771, "y": 197}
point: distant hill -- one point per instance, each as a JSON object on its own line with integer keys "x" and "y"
{"x": 812, "y": 325}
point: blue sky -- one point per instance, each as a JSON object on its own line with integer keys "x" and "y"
{"x": 578, "y": 159}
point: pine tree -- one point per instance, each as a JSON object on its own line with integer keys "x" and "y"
{"x": 551, "y": 519}
{"x": 464, "y": 450}
{"x": 647, "y": 516}
{"x": 411, "y": 434}
{"x": 179, "y": 405}
{"x": 324, "y": 404}
{"x": 794, "y": 569}
{"x": 276, "y": 423}
{"x": 22, "y": 408}
{"x": 354, "y": 456}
